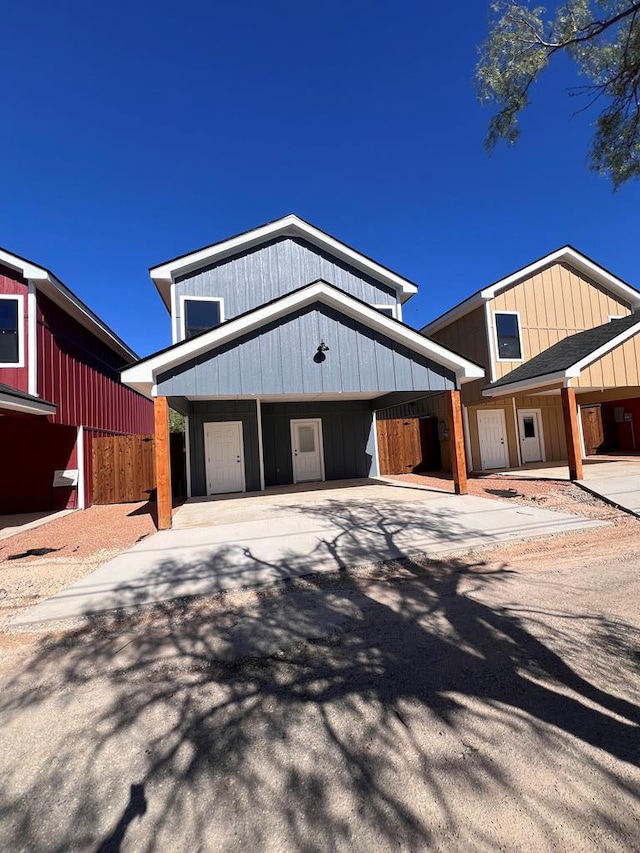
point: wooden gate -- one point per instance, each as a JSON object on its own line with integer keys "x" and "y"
{"x": 408, "y": 445}
{"x": 123, "y": 468}
{"x": 592, "y": 429}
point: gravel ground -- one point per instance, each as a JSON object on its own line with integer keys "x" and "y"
{"x": 550, "y": 494}
{"x": 74, "y": 545}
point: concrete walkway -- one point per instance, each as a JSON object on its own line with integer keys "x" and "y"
{"x": 268, "y": 538}
{"x": 11, "y": 525}
{"x": 614, "y": 478}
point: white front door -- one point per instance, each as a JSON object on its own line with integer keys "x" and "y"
{"x": 530, "y": 439}
{"x": 306, "y": 449}
{"x": 224, "y": 457}
{"x": 492, "y": 434}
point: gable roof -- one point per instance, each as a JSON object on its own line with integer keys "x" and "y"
{"x": 567, "y": 358}
{"x": 13, "y": 400}
{"x": 142, "y": 376}
{"x": 287, "y": 226}
{"x": 567, "y": 255}
{"x": 45, "y": 281}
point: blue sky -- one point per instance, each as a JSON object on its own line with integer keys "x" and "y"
{"x": 134, "y": 132}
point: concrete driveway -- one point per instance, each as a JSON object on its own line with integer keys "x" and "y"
{"x": 258, "y": 540}
{"x": 614, "y": 478}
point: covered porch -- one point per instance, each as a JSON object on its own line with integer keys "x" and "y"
{"x": 270, "y": 446}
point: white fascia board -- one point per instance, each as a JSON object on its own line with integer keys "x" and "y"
{"x": 576, "y": 259}
{"x": 566, "y": 254}
{"x": 145, "y": 372}
{"x": 16, "y": 404}
{"x": 605, "y": 348}
{"x": 291, "y": 226}
{"x": 528, "y": 385}
{"x": 68, "y": 301}
{"x": 452, "y": 314}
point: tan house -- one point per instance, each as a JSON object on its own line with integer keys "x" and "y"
{"x": 560, "y": 345}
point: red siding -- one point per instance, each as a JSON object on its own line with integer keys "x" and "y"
{"x": 17, "y": 377}
{"x": 33, "y": 449}
{"x": 81, "y": 375}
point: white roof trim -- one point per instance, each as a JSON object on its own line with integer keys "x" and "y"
{"x": 287, "y": 226}
{"x": 526, "y": 385}
{"x": 564, "y": 255}
{"x": 565, "y": 375}
{"x": 142, "y": 376}
{"x": 605, "y": 348}
{"x": 68, "y": 301}
{"x": 18, "y": 404}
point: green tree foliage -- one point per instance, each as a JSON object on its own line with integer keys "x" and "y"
{"x": 176, "y": 421}
{"x": 602, "y": 37}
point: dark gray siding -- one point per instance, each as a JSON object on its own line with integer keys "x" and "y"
{"x": 204, "y": 411}
{"x": 347, "y": 434}
{"x": 274, "y": 269}
{"x": 281, "y": 358}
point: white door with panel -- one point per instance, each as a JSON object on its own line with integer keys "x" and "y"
{"x": 307, "y": 450}
{"x": 492, "y": 435}
{"x": 224, "y": 457}
{"x": 529, "y": 427}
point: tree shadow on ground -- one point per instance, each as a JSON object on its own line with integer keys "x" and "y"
{"x": 398, "y": 710}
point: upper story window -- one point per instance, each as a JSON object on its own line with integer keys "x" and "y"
{"x": 508, "y": 336}
{"x": 199, "y": 314}
{"x": 389, "y": 310}
{"x": 11, "y": 325}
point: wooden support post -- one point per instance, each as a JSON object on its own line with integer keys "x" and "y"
{"x": 163, "y": 462}
{"x": 572, "y": 432}
{"x": 456, "y": 442}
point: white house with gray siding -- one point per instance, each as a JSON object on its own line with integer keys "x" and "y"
{"x": 285, "y": 343}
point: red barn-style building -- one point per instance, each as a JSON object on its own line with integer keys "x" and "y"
{"x": 59, "y": 388}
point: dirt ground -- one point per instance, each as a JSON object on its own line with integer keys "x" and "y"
{"x": 481, "y": 704}
{"x": 78, "y": 543}
{"x": 39, "y": 563}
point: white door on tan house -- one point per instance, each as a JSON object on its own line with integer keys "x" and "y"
{"x": 530, "y": 436}
{"x": 492, "y": 434}
{"x": 306, "y": 450}
{"x": 224, "y": 457}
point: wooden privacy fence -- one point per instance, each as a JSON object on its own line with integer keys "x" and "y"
{"x": 408, "y": 445}
{"x": 123, "y": 468}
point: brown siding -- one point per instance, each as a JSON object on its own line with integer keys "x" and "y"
{"x": 553, "y": 304}
{"x": 468, "y": 337}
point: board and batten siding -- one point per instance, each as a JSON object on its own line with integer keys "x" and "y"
{"x": 206, "y": 411}
{"x": 552, "y": 427}
{"x": 553, "y": 304}
{"x": 618, "y": 368}
{"x": 468, "y": 337}
{"x": 347, "y": 432}
{"x": 282, "y": 358}
{"x": 254, "y": 277}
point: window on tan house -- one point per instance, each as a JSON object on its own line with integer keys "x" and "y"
{"x": 200, "y": 315}
{"x": 10, "y": 331}
{"x": 508, "y": 335}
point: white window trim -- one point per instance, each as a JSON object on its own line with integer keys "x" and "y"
{"x": 497, "y": 341}
{"x": 615, "y": 317}
{"x": 292, "y": 424}
{"x": 538, "y": 414}
{"x": 19, "y": 298}
{"x": 396, "y": 310}
{"x": 185, "y": 297}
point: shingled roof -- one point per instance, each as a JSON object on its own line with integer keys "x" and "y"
{"x": 569, "y": 352}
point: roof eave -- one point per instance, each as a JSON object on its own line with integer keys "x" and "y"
{"x": 145, "y": 372}
{"x": 163, "y": 275}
